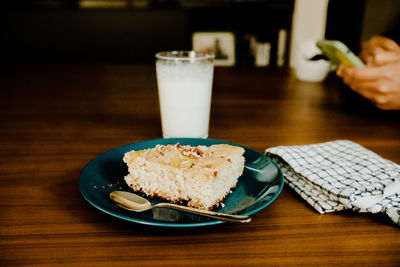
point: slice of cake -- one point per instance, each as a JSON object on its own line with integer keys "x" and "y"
{"x": 200, "y": 177}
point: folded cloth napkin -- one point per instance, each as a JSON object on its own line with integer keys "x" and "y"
{"x": 340, "y": 175}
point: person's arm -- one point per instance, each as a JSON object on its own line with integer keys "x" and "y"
{"x": 379, "y": 80}
{"x": 380, "y": 84}
{"x": 380, "y": 50}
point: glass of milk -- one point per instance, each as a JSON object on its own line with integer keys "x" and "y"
{"x": 184, "y": 87}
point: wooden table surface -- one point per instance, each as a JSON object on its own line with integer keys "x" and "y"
{"x": 54, "y": 119}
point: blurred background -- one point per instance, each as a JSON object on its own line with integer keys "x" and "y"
{"x": 131, "y": 31}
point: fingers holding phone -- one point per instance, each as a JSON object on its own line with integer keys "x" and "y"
{"x": 380, "y": 50}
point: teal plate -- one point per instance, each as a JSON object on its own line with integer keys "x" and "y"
{"x": 259, "y": 186}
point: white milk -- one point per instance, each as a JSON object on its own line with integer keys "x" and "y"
{"x": 184, "y": 90}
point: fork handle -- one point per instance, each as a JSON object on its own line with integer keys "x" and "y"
{"x": 207, "y": 213}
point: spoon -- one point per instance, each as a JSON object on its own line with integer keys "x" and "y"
{"x": 133, "y": 202}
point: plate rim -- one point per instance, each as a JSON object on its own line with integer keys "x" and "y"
{"x": 177, "y": 225}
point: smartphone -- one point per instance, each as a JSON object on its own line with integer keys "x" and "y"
{"x": 339, "y": 54}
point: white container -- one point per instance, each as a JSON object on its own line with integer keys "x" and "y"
{"x": 262, "y": 54}
{"x": 184, "y": 87}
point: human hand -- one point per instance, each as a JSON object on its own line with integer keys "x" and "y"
{"x": 380, "y": 84}
{"x": 380, "y": 50}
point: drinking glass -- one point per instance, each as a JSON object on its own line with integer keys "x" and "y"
{"x": 184, "y": 81}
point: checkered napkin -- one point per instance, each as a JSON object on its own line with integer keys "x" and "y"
{"x": 340, "y": 175}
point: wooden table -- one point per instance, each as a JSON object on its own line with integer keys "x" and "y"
{"x": 55, "y": 118}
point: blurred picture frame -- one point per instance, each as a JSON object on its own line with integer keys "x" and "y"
{"x": 222, "y": 44}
